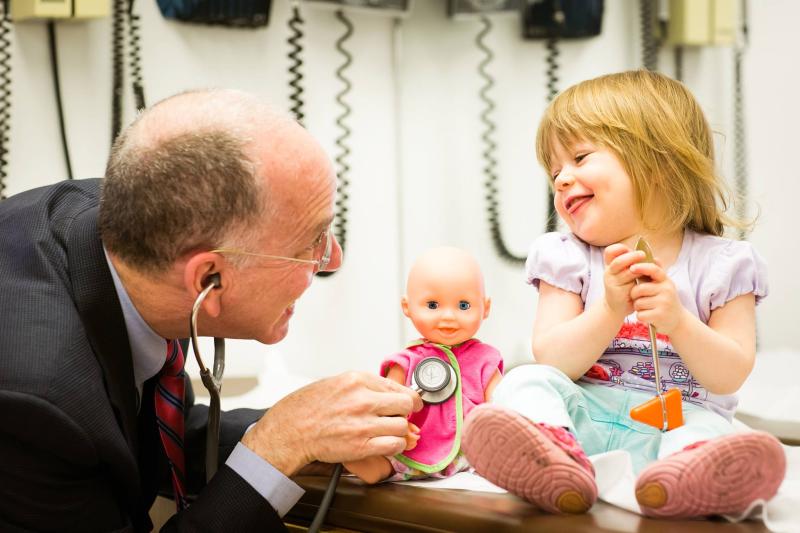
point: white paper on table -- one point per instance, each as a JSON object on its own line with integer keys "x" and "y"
{"x": 616, "y": 483}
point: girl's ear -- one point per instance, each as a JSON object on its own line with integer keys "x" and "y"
{"x": 201, "y": 270}
{"x": 487, "y": 305}
{"x": 404, "y": 306}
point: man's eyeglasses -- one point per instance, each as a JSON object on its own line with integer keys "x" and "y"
{"x": 322, "y": 253}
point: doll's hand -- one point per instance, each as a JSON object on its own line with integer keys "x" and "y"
{"x": 655, "y": 300}
{"x": 412, "y": 437}
{"x": 619, "y": 279}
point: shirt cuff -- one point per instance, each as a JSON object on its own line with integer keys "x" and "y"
{"x": 280, "y": 491}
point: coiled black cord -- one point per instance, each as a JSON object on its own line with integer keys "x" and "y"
{"x": 490, "y": 146}
{"x": 117, "y": 65}
{"x": 343, "y": 170}
{"x": 296, "y": 63}
{"x": 650, "y": 45}
{"x": 5, "y": 93}
{"x": 135, "y": 52}
{"x": 551, "y": 222}
{"x": 51, "y": 38}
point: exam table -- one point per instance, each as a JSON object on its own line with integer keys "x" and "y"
{"x": 394, "y": 507}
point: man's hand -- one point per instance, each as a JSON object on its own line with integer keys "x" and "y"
{"x": 619, "y": 278}
{"x": 655, "y": 298}
{"x": 342, "y": 418}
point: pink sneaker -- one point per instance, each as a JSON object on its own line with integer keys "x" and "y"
{"x": 721, "y": 476}
{"x": 540, "y": 463}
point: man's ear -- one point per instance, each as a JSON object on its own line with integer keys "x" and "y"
{"x": 201, "y": 270}
{"x": 404, "y": 305}
{"x": 487, "y": 305}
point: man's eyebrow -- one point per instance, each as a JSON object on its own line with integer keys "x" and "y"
{"x": 322, "y": 226}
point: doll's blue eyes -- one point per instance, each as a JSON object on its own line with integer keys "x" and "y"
{"x": 463, "y": 305}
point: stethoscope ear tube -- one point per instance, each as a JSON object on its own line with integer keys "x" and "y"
{"x": 211, "y": 381}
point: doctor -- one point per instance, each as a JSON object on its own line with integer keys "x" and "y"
{"x": 98, "y": 277}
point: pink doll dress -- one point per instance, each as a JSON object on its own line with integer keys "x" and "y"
{"x": 440, "y": 424}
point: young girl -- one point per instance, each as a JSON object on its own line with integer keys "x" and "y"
{"x": 445, "y": 300}
{"x": 631, "y": 155}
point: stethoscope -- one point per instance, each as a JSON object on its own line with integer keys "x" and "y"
{"x": 433, "y": 379}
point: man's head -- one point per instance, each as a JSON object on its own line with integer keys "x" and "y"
{"x": 445, "y": 296}
{"x": 219, "y": 169}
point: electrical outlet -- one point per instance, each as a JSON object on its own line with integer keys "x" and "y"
{"x": 393, "y": 7}
{"x": 477, "y": 7}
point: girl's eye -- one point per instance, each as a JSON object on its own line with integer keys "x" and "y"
{"x": 463, "y": 305}
{"x": 580, "y": 157}
{"x": 433, "y": 305}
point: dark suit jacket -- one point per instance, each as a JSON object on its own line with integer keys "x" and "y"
{"x": 75, "y": 455}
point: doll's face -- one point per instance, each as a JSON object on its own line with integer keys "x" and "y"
{"x": 445, "y": 296}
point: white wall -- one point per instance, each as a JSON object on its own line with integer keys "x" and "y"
{"x": 416, "y": 176}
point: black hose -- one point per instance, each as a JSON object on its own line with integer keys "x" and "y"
{"x": 51, "y": 35}
{"x": 327, "y": 498}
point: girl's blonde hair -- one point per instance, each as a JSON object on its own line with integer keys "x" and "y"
{"x": 656, "y": 128}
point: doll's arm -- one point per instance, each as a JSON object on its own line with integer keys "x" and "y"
{"x": 396, "y": 373}
{"x": 487, "y": 393}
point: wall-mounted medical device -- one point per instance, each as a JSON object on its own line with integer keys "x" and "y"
{"x": 702, "y": 22}
{"x": 564, "y": 19}
{"x": 59, "y": 9}
{"x": 389, "y": 7}
{"x": 457, "y": 8}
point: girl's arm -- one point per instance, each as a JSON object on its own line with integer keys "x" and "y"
{"x": 567, "y": 337}
{"x": 720, "y": 354}
{"x": 571, "y": 338}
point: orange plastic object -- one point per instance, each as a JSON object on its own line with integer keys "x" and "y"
{"x": 650, "y": 412}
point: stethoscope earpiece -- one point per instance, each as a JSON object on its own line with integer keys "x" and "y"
{"x": 212, "y": 280}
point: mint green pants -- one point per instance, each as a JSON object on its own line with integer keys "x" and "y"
{"x": 599, "y": 417}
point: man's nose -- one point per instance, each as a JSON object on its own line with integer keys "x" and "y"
{"x": 337, "y": 256}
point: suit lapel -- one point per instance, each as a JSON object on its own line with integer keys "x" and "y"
{"x": 99, "y": 307}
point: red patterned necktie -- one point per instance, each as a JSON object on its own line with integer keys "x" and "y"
{"x": 169, "y": 416}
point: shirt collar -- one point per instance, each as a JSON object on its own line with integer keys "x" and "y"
{"x": 148, "y": 349}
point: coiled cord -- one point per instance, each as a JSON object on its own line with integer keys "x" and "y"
{"x": 551, "y": 222}
{"x": 490, "y": 146}
{"x": 5, "y": 93}
{"x": 296, "y": 63}
{"x": 650, "y": 45}
{"x": 118, "y": 66}
{"x": 135, "y": 52}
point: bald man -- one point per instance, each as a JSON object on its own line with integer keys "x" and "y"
{"x": 99, "y": 276}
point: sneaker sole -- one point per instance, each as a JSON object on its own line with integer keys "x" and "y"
{"x": 508, "y": 450}
{"x": 722, "y": 477}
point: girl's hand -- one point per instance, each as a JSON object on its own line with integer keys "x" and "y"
{"x": 619, "y": 279}
{"x": 656, "y": 299}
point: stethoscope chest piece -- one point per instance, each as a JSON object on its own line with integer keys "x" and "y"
{"x": 434, "y": 379}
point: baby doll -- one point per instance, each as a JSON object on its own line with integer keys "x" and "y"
{"x": 446, "y": 302}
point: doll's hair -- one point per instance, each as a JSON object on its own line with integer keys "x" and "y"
{"x": 657, "y": 129}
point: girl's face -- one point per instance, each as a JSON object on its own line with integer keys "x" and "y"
{"x": 594, "y": 195}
